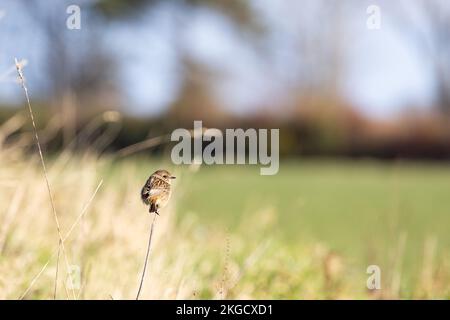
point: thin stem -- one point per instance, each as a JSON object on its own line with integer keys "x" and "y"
{"x": 57, "y": 269}
{"x": 58, "y": 228}
{"x": 146, "y": 256}
{"x": 77, "y": 220}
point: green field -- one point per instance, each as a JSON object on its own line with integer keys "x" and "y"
{"x": 309, "y": 232}
{"x": 386, "y": 214}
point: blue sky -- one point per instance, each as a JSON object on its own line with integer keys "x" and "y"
{"x": 383, "y": 71}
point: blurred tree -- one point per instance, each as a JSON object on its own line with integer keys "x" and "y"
{"x": 428, "y": 23}
{"x": 238, "y": 10}
{"x": 320, "y": 49}
{"x": 79, "y": 71}
{"x": 75, "y": 60}
{"x": 195, "y": 100}
{"x": 114, "y": 9}
{"x": 438, "y": 16}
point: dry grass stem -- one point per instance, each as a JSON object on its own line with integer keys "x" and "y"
{"x": 41, "y": 156}
{"x": 146, "y": 256}
{"x": 77, "y": 220}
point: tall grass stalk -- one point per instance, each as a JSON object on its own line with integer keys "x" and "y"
{"x": 146, "y": 256}
{"x": 77, "y": 220}
{"x": 36, "y": 136}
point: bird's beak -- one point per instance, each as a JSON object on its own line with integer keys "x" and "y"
{"x": 173, "y": 177}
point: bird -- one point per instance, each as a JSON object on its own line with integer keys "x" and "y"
{"x": 156, "y": 190}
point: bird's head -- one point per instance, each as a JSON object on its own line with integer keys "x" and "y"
{"x": 163, "y": 175}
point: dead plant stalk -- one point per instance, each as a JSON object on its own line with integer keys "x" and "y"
{"x": 36, "y": 136}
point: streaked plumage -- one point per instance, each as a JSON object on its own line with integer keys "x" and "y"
{"x": 156, "y": 191}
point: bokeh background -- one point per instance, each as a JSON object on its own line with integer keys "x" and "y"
{"x": 364, "y": 119}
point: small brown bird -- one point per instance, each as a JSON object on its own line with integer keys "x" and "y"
{"x": 156, "y": 191}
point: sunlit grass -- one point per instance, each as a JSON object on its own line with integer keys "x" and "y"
{"x": 309, "y": 232}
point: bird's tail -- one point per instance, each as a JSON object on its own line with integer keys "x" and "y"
{"x": 152, "y": 207}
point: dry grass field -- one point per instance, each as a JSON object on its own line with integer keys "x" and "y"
{"x": 219, "y": 238}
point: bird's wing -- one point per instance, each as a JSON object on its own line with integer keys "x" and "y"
{"x": 149, "y": 192}
{"x": 155, "y": 192}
